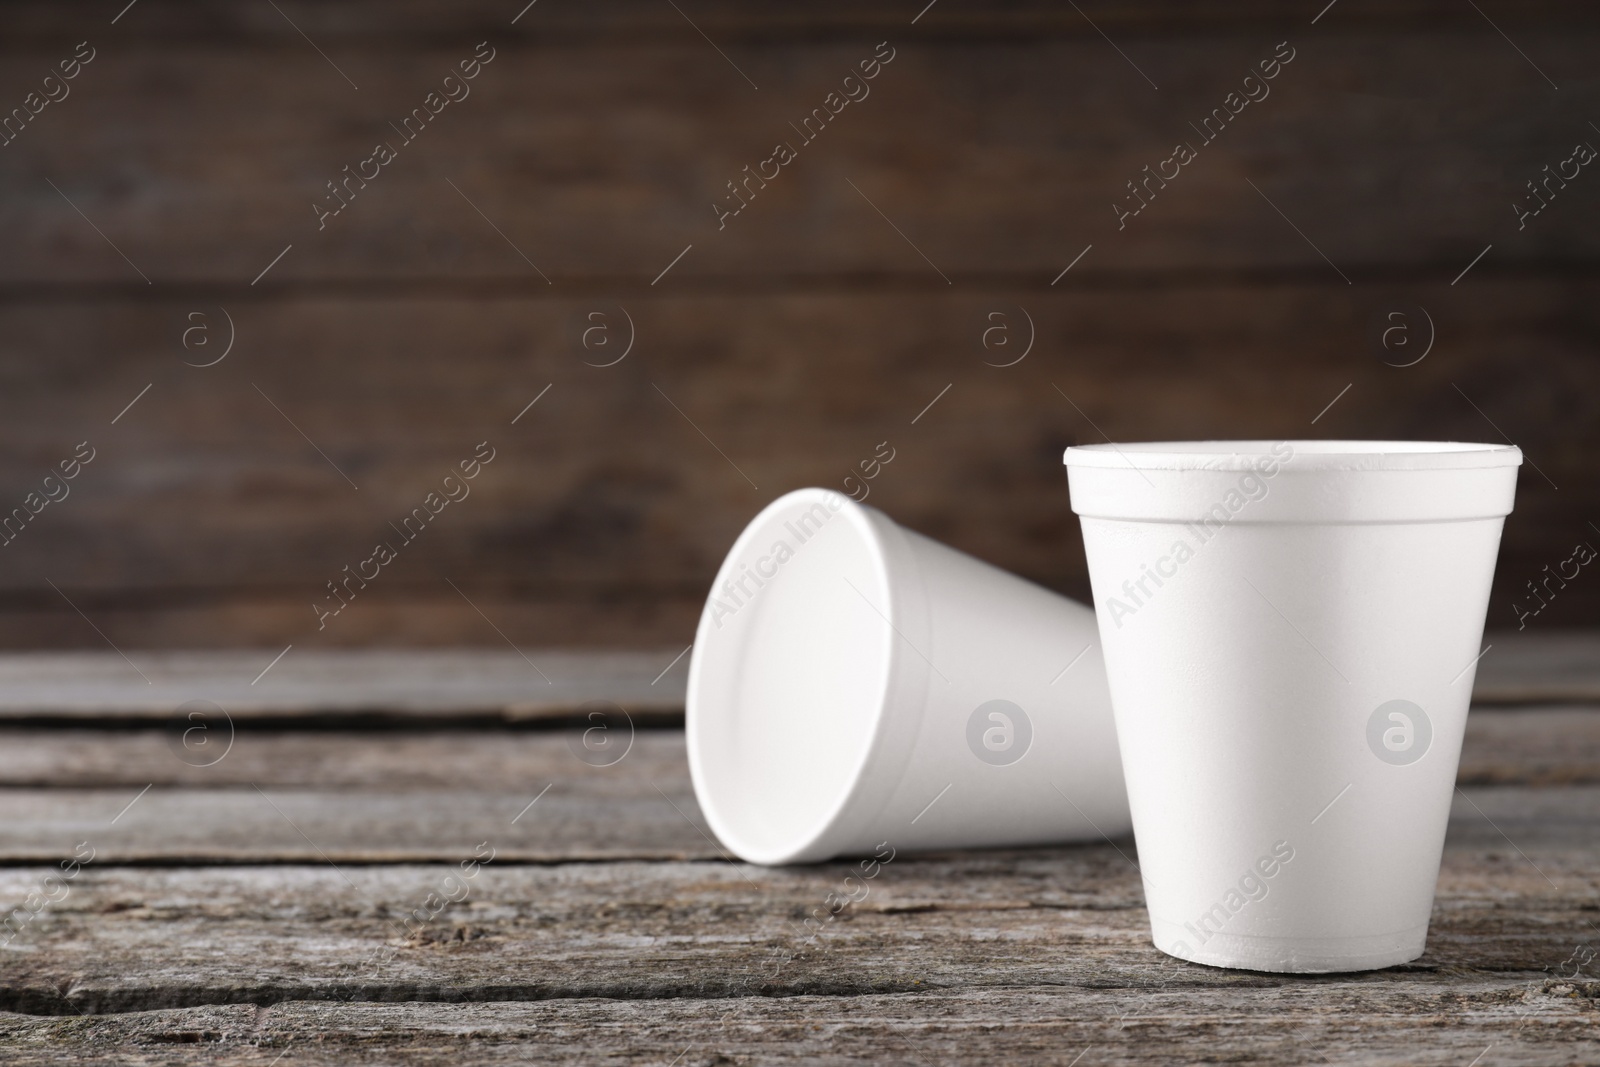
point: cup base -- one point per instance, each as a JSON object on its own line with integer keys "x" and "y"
{"x": 1292, "y": 955}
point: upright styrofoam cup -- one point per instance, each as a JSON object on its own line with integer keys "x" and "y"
{"x": 1291, "y": 631}
{"x": 855, "y": 684}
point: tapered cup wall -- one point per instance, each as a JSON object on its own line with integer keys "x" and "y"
{"x": 857, "y": 687}
{"x": 1291, "y": 631}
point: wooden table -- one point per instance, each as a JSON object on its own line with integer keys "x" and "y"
{"x": 286, "y": 903}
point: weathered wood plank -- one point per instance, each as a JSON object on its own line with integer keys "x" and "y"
{"x": 1521, "y": 746}
{"x": 996, "y": 139}
{"x": 1539, "y": 665}
{"x": 400, "y": 795}
{"x": 603, "y": 816}
{"x": 489, "y": 760}
{"x": 1531, "y": 746}
{"x": 536, "y": 684}
{"x": 607, "y": 813}
{"x": 137, "y": 938}
{"x": 604, "y": 160}
{"x": 1533, "y": 1023}
{"x": 310, "y": 684}
{"x": 595, "y": 615}
{"x": 365, "y": 24}
{"x": 616, "y": 540}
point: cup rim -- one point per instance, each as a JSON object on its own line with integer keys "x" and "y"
{"x": 706, "y": 708}
{"x": 1309, "y": 455}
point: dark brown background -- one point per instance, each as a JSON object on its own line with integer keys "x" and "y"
{"x": 797, "y": 339}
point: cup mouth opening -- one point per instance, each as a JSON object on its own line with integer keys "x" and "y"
{"x": 1307, "y": 455}
{"x": 788, "y": 683}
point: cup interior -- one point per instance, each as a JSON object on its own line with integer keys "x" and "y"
{"x": 790, "y": 675}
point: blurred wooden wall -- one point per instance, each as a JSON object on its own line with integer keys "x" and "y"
{"x": 778, "y": 351}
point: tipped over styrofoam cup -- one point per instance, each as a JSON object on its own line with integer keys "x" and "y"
{"x": 1291, "y": 631}
{"x": 855, "y": 685}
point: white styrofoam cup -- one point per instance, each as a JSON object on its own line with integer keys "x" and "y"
{"x": 854, "y": 684}
{"x": 1291, "y": 631}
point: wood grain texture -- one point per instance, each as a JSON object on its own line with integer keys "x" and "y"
{"x": 1538, "y": 665}
{"x": 1534, "y": 1023}
{"x": 358, "y": 23}
{"x": 1536, "y": 745}
{"x": 642, "y": 807}
{"x": 244, "y": 824}
{"x": 1551, "y": 746}
{"x": 795, "y": 338}
{"x": 287, "y": 686}
{"x": 253, "y": 910}
{"x": 290, "y": 684}
{"x": 602, "y": 159}
{"x": 1068, "y": 920}
{"x": 208, "y": 519}
{"x": 286, "y": 901}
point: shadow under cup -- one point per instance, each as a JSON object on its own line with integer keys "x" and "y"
{"x": 1291, "y": 631}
